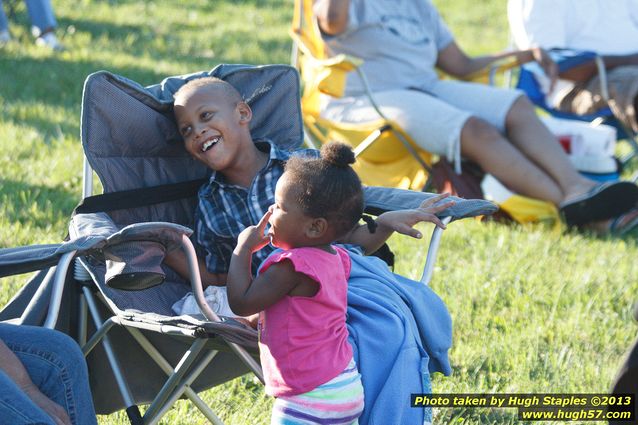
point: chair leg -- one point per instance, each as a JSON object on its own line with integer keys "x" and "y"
{"x": 248, "y": 360}
{"x": 184, "y": 386}
{"x": 168, "y": 369}
{"x": 83, "y": 320}
{"x": 173, "y": 381}
{"x": 97, "y": 336}
{"x": 131, "y": 408}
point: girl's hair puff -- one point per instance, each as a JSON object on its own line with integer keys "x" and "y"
{"x": 328, "y": 187}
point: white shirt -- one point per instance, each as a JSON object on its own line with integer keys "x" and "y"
{"x": 608, "y": 27}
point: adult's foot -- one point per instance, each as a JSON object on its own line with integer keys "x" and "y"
{"x": 50, "y": 41}
{"x": 602, "y": 202}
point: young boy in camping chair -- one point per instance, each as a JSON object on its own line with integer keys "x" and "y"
{"x": 214, "y": 122}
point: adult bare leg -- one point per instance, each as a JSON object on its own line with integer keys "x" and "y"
{"x": 483, "y": 144}
{"x": 531, "y": 137}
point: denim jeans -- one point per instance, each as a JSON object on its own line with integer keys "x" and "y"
{"x": 56, "y": 366}
{"x": 40, "y": 13}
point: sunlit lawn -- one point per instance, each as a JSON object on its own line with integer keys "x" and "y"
{"x": 533, "y": 310}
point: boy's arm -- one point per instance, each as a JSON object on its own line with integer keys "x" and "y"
{"x": 401, "y": 221}
{"x": 176, "y": 260}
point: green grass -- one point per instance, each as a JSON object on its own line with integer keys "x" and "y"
{"x": 533, "y": 310}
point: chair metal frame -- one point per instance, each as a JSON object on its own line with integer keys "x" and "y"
{"x": 180, "y": 376}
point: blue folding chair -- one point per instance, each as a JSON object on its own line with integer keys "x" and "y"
{"x": 567, "y": 59}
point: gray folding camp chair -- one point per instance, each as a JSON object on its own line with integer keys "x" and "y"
{"x": 131, "y": 142}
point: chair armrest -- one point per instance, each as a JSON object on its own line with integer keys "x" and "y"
{"x": 168, "y": 234}
{"x": 342, "y": 62}
{"x": 329, "y": 75}
{"x": 487, "y": 75}
{"x": 381, "y": 199}
{"x": 19, "y": 260}
{"x": 133, "y": 254}
{"x": 101, "y": 225}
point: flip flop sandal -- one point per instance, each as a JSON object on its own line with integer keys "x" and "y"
{"x": 624, "y": 223}
{"x": 602, "y": 202}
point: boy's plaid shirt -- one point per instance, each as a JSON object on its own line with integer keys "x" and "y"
{"x": 224, "y": 210}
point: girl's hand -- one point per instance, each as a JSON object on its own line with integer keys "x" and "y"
{"x": 254, "y": 238}
{"x": 402, "y": 221}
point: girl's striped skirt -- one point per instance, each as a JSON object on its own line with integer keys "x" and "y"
{"x": 338, "y": 401}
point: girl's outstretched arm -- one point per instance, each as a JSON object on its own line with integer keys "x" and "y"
{"x": 246, "y": 295}
{"x": 401, "y": 221}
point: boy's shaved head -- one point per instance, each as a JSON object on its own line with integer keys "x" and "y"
{"x": 227, "y": 89}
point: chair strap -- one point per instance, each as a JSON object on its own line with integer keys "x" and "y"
{"x": 135, "y": 198}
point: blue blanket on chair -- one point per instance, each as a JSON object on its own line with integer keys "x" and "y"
{"x": 400, "y": 331}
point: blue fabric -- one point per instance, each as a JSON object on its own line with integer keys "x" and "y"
{"x": 56, "y": 366}
{"x": 4, "y": 22}
{"x": 565, "y": 59}
{"x": 397, "y": 327}
{"x": 40, "y": 13}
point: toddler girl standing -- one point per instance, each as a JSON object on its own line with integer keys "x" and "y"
{"x": 300, "y": 290}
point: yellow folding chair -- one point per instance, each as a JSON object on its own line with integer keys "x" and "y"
{"x": 386, "y": 156}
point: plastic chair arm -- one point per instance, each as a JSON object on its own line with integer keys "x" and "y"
{"x": 329, "y": 75}
{"x": 487, "y": 74}
{"x": 381, "y": 199}
{"x": 342, "y": 62}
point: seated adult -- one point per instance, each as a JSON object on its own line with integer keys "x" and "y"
{"x": 609, "y": 28}
{"x": 43, "y": 378}
{"x": 401, "y": 43}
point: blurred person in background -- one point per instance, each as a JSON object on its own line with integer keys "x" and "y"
{"x": 42, "y": 20}
{"x": 401, "y": 43}
{"x": 609, "y": 28}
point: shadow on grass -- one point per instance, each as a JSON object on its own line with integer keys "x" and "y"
{"x": 53, "y": 204}
{"x": 49, "y": 130}
{"x": 48, "y": 80}
{"x": 173, "y": 46}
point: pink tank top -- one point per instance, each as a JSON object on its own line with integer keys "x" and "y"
{"x": 303, "y": 341}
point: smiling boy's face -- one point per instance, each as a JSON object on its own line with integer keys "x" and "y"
{"x": 213, "y": 124}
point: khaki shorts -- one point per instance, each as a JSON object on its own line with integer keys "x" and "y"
{"x": 434, "y": 119}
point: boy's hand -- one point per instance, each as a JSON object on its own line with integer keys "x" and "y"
{"x": 402, "y": 221}
{"x": 254, "y": 238}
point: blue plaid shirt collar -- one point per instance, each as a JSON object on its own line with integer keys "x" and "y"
{"x": 265, "y": 145}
